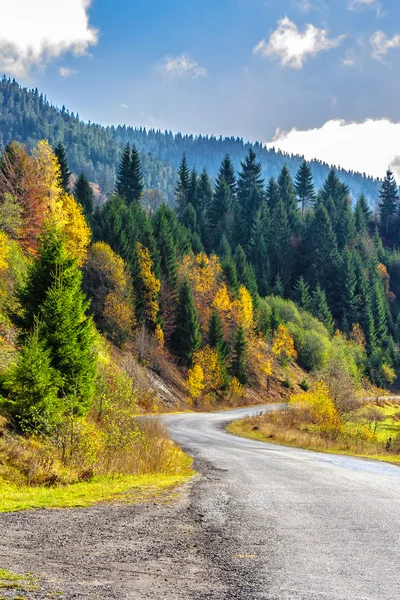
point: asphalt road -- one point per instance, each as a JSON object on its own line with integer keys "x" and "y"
{"x": 260, "y": 521}
{"x": 283, "y": 523}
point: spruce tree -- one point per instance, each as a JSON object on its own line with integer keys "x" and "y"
{"x": 183, "y": 186}
{"x": 272, "y": 194}
{"x": 336, "y": 190}
{"x": 258, "y": 248}
{"x": 186, "y": 338}
{"x": 305, "y": 187}
{"x": 388, "y": 205}
{"x": 84, "y": 194}
{"x": 288, "y": 197}
{"x": 346, "y": 228}
{"x": 64, "y": 168}
{"x": 245, "y": 274}
{"x": 204, "y": 193}
{"x": 227, "y": 173}
{"x": 362, "y": 215}
{"x": 280, "y": 246}
{"x": 320, "y": 309}
{"x": 302, "y": 294}
{"x": 123, "y": 185}
{"x": 219, "y": 216}
{"x": 135, "y": 176}
{"x": 250, "y": 191}
{"x": 238, "y": 366}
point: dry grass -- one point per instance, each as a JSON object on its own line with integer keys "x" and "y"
{"x": 288, "y": 429}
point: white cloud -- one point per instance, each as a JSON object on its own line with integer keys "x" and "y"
{"x": 368, "y": 147}
{"x": 64, "y": 72}
{"x": 125, "y": 106}
{"x": 293, "y": 47}
{"x": 381, "y": 44}
{"x": 32, "y": 32}
{"x": 182, "y": 66}
{"x": 356, "y": 5}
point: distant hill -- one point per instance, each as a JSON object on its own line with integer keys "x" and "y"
{"x": 27, "y": 116}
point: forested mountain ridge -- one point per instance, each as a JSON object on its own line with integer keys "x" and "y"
{"x": 26, "y": 116}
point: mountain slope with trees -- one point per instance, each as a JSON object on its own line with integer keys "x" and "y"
{"x": 26, "y": 116}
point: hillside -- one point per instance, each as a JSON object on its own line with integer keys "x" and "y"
{"x": 26, "y": 116}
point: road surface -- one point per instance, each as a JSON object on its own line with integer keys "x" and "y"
{"x": 260, "y": 522}
{"x": 291, "y": 523}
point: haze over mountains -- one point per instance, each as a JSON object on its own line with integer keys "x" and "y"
{"x": 27, "y": 116}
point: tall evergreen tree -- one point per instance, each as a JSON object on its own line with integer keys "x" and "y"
{"x": 245, "y": 274}
{"x": 305, "y": 186}
{"x": 227, "y": 173}
{"x": 183, "y": 186}
{"x": 167, "y": 250}
{"x": 346, "y": 230}
{"x": 204, "y": 193}
{"x": 123, "y": 185}
{"x": 192, "y": 191}
{"x": 59, "y": 151}
{"x": 136, "y": 178}
{"x": 302, "y": 294}
{"x": 186, "y": 338}
{"x": 348, "y": 280}
{"x": 388, "y": 205}
{"x": 250, "y": 191}
{"x": 280, "y": 247}
{"x": 362, "y": 215}
{"x": 272, "y": 194}
{"x": 288, "y": 197}
{"x": 84, "y": 194}
{"x": 320, "y": 309}
{"x": 219, "y": 216}
{"x": 258, "y": 248}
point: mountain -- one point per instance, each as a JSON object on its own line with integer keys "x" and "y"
{"x": 27, "y": 116}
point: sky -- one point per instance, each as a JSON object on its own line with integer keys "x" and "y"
{"x": 314, "y": 77}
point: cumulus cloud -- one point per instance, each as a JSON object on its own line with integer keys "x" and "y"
{"x": 182, "y": 66}
{"x": 381, "y": 44}
{"x": 368, "y": 147}
{"x": 64, "y": 72}
{"x": 34, "y": 32}
{"x": 293, "y": 47}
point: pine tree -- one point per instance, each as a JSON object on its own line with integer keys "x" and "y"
{"x": 305, "y": 186}
{"x": 388, "y": 205}
{"x": 219, "y": 216}
{"x": 135, "y": 176}
{"x": 302, "y": 294}
{"x": 59, "y": 151}
{"x": 84, "y": 194}
{"x": 288, "y": 197}
{"x": 183, "y": 186}
{"x": 238, "y": 367}
{"x": 362, "y": 215}
{"x": 250, "y": 191}
{"x": 336, "y": 190}
{"x": 123, "y": 186}
{"x": 186, "y": 338}
{"x": 272, "y": 194}
{"x": 280, "y": 247}
{"x": 227, "y": 173}
{"x": 204, "y": 193}
{"x": 320, "y": 309}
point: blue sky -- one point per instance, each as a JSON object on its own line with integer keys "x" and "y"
{"x": 233, "y": 67}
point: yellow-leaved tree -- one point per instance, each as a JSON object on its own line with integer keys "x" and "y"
{"x": 283, "y": 345}
{"x": 205, "y": 378}
{"x": 320, "y": 408}
{"x": 147, "y": 291}
{"x": 3, "y": 251}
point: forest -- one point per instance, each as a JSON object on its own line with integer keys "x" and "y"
{"x": 27, "y": 117}
{"x": 247, "y": 289}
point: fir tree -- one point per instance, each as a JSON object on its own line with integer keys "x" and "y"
{"x": 64, "y": 168}
{"x": 84, "y": 194}
{"x": 123, "y": 186}
{"x": 272, "y": 194}
{"x": 302, "y": 294}
{"x": 227, "y": 173}
{"x": 362, "y": 215}
{"x": 186, "y": 338}
{"x": 320, "y": 309}
{"x": 288, "y": 197}
{"x": 238, "y": 367}
{"x": 135, "y": 176}
{"x": 388, "y": 205}
{"x": 305, "y": 186}
{"x": 183, "y": 186}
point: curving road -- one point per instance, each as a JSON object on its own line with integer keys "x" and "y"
{"x": 283, "y": 523}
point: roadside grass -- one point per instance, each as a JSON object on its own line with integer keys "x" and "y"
{"x": 13, "y": 583}
{"x": 123, "y": 488}
{"x": 358, "y": 438}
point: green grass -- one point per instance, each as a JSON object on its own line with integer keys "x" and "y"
{"x": 124, "y": 488}
{"x": 19, "y": 583}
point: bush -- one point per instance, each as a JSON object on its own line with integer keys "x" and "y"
{"x": 314, "y": 352}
